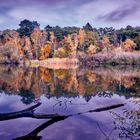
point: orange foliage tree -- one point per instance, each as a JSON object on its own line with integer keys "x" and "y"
{"x": 86, "y": 39}
{"x": 91, "y": 49}
{"x": 45, "y": 51}
{"x": 106, "y": 44}
{"x": 68, "y": 47}
{"x": 81, "y": 36}
{"x": 129, "y": 45}
{"x": 61, "y": 52}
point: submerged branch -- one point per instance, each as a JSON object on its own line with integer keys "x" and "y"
{"x": 107, "y": 108}
{"x": 103, "y": 109}
{"x": 29, "y": 112}
{"x": 33, "y": 135}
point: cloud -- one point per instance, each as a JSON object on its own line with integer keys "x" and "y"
{"x": 43, "y": 14}
{"x": 99, "y": 13}
{"x": 52, "y": 3}
{"x": 120, "y": 13}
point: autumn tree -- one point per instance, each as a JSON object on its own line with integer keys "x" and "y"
{"x": 69, "y": 46}
{"x": 87, "y": 38}
{"x": 129, "y": 45}
{"x": 72, "y": 44}
{"x": 35, "y": 38}
{"x": 91, "y": 39}
{"x": 27, "y": 47}
{"x": 61, "y": 53}
{"x": 81, "y": 38}
{"x": 53, "y": 41}
{"x": 11, "y": 49}
{"x": 45, "y": 51}
{"x": 91, "y": 49}
{"x": 106, "y": 44}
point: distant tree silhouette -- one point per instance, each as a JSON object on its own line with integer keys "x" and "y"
{"x": 26, "y": 27}
{"x": 88, "y": 27}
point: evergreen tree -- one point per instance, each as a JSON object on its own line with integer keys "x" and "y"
{"x": 26, "y": 27}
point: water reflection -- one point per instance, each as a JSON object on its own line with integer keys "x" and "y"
{"x": 113, "y": 94}
{"x": 31, "y": 83}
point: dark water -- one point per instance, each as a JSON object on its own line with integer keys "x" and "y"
{"x": 98, "y": 104}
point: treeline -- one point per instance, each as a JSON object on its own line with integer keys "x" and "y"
{"x": 30, "y": 42}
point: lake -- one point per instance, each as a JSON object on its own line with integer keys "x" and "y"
{"x": 102, "y": 103}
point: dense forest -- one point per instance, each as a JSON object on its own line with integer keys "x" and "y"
{"x": 103, "y": 45}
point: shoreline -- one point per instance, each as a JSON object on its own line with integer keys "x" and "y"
{"x": 56, "y": 63}
{"x": 112, "y": 58}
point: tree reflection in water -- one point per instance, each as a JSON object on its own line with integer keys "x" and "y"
{"x": 27, "y": 96}
{"x": 31, "y": 83}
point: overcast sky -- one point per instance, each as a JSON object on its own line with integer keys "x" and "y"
{"x": 100, "y": 13}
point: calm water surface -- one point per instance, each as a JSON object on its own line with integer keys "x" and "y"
{"x": 98, "y": 104}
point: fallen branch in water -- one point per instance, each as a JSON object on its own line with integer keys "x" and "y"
{"x": 107, "y": 108}
{"x": 102, "y": 109}
{"x": 34, "y": 134}
{"x": 30, "y": 112}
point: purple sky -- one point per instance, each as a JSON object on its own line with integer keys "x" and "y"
{"x": 100, "y": 13}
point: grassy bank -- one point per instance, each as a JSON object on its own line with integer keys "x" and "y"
{"x": 114, "y": 58}
{"x": 56, "y": 63}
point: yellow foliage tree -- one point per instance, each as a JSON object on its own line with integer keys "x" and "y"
{"x": 91, "y": 49}
{"x": 74, "y": 45}
{"x": 60, "y": 53}
{"x": 70, "y": 43}
{"x": 45, "y": 51}
{"x": 106, "y": 43}
{"x": 81, "y": 36}
{"x": 129, "y": 45}
{"x": 53, "y": 41}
